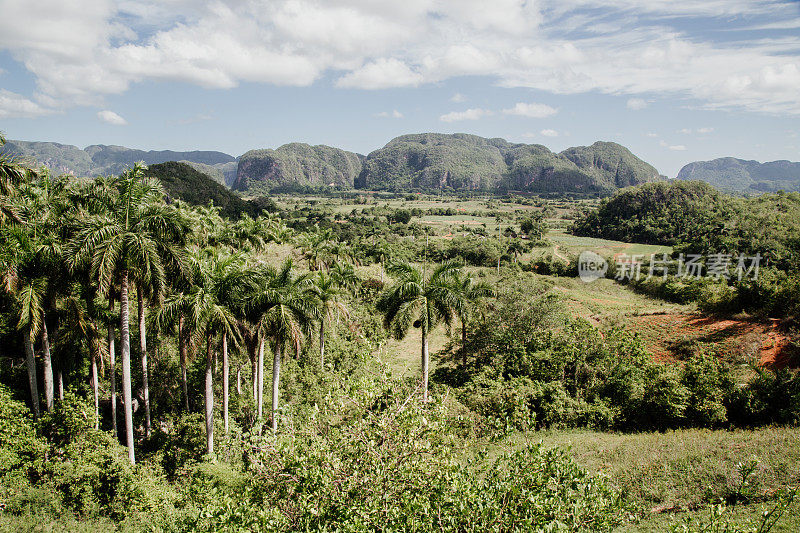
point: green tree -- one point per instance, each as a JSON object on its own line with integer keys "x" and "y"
{"x": 129, "y": 236}
{"x": 470, "y": 293}
{"x": 420, "y": 300}
{"x": 331, "y": 287}
{"x": 286, "y": 307}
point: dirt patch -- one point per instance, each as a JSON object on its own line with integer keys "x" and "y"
{"x": 673, "y": 336}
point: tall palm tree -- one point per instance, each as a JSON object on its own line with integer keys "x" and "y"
{"x": 330, "y": 290}
{"x": 421, "y": 300}
{"x": 286, "y": 308}
{"x": 130, "y": 235}
{"x": 470, "y": 293}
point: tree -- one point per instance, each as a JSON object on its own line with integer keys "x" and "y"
{"x": 286, "y": 308}
{"x": 130, "y": 235}
{"x": 469, "y": 294}
{"x": 516, "y": 248}
{"x": 330, "y": 289}
{"x": 421, "y": 300}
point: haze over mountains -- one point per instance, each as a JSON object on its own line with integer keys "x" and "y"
{"x": 417, "y": 161}
{"x": 425, "y": 161}
{"x": 738, "y": 175}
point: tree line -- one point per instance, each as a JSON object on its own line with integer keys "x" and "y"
{"x": 84, "y": 259}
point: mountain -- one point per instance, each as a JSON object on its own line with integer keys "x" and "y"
{"x": 296, "y": 166}
{"x": 181, "y": 180}
{"x": 101, "y": 160}
{"x": 741, "y": 176}
{"x": 461, "y": 161}
{"x": 431, "y": 161}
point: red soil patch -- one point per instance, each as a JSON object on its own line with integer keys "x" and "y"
{"x": 668, "y": 334}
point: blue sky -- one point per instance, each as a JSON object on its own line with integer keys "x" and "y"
{"x": 674, "y": 81}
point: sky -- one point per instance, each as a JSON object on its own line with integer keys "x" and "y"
{"x": 674, "y": 81}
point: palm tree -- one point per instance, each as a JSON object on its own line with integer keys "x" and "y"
{"x": 421, "y": 300}
{"x": 329, "y": 291}
{"x": 469, "y": 294}
{"x": 129, "y": 236}
{"x": 515, "y": 248}
{"x": 285, "y": 305}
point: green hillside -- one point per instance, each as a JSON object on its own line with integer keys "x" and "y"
{"x": 99, "y": 159}
{"x": 296, "y": 166}
{"x": 184, "y": 182}
{"x": 740, "y": 176}
{"x": 460, "y": 161}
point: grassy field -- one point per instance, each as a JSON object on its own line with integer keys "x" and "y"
{"x": 676, "y": 475}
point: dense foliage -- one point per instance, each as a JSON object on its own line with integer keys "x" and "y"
{"x": 460, "y": 162}
{"x": 737, "y": 175}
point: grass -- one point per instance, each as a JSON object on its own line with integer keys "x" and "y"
{"x": 674, "y": 475}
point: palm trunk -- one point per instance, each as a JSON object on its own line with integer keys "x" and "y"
{"x": 322, "y": 343}
{"x": 276, "y": 377}
{"x": 464, "y": 343}
{"x": 425, "y": 361}
{"x": 209, "y": 397}
{"x": 30, "y": 362}
{"x": 183, "y": 354}
{"x": 113, "y": 369}
{"x": 225, "y": 370}
{"x": 92, "y": 342}
{"x": 254, "y": 371}
{"x": 125, "y": 335}
{"x": 48, "y": 368}
{"x": 95, "y": 387}
{"x": 143, "y": 353}
{"x": 260, "y": 378}
{"x": 239, "y": 381}
{"x": 60, "y": 383}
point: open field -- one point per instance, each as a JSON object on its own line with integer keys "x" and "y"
{"x": 674, "y": 475}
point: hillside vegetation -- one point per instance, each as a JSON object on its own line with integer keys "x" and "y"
{"x": 296, "y": 166}
{"x": 101, "y": 160}
{"x": 196, "y": 188}
{"x": 460, "y": 161}
{"x": 738, "y": 175}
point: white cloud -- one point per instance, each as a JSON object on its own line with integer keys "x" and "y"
{"x": 389, "y": 114}
{"x": 629, "y": 48}
{"x": 651, "y": 134}
{"x": 13, "y": 105}
{"x": 677, "y": 147}
{"x": 685, "y": 131}
{"x": 531, "y": 110}
{"x": 381, "y": 74}
{"x": 705, "y": 130}
{"x": 469, "y": 114}
{"x": 549, "y": 133}
{"x": 111, "y": 118}
{"x": 458, "y": 98}
{"x": 636, "y": 104}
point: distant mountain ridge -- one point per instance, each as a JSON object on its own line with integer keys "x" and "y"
{"x": 462, "y": 161}
{"x": 424, "y": 161}
{"x": 744, "y": 176}
{"x": 100, "y": 159}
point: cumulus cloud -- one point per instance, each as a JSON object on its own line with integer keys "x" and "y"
{"x": 389, "y": 114}
{"x": 531, "y": 110}
{"x": 636, "y": 103}
{"x": 705, "y": 130}
{"x": 685, "y": 131}
{"x": 469, "y": 114}
{"x": 549, "y": 133}
{"x": 13, "y": 105}
{"x": 111, "y": 118}
{"x": 677, "y": 147}
{"x": 458, "y": 98}
{"x": 626, "y": 47}
{"x": 381, "y": 74}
